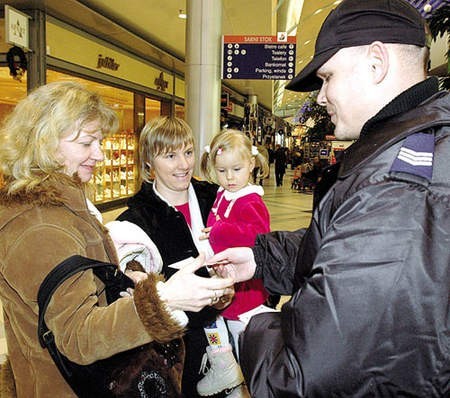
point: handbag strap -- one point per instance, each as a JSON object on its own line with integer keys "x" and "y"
{"x": 64, "y": 270}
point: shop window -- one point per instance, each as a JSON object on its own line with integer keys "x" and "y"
{"x": 179, "y": 111}
{"x": 152, "y": 109}
{"x": 11, "y": 92}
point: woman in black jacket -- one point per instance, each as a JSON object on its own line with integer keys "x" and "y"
{"x": 172, "y": 208}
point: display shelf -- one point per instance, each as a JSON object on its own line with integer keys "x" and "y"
{"x": 115, "y": 177}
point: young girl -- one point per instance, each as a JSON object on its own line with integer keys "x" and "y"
{"x": 238, "y": 215}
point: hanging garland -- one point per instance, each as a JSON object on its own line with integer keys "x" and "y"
{"x": 16, "y": 69}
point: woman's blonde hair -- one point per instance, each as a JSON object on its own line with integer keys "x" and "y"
{"x": 233, "y": 141}
{"x": 30, "y": 135}
{"x": 160, "y": 136}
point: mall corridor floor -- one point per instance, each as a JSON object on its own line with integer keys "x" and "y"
{"x": 289, "y": 210}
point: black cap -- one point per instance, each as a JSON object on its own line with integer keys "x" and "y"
{"x": 358, "y": 23}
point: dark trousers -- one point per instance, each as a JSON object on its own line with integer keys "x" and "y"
{"x": 195, "y": 343}
{"x": 279, "y": 177}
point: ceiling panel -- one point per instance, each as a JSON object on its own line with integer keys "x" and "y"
{"x": 158, "y": 22}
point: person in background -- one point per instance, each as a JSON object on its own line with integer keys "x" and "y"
{"x": 312, "y": 173}
{"x": 370, "y": 277}
{"x": 257, "y": 173}
{"x": 288, "y": 154}
{"x": 51, "y": 143}
{"x": 172, "y": 208}
{"x": 271, "y": 153}
{"x": 280, "y": 164}
{"x": 237, "y": 216}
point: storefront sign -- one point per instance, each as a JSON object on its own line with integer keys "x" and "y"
{"x": 160, "y": 83}
{"x": 258, "y": 57}
{"x": 107, "y": 62}
{"x": 84, "y": 50}
{"x": 16, "y": 27}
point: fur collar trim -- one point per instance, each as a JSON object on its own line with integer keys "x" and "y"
{"x": 51, "y": 192}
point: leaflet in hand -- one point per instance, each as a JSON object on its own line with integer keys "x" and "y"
{"x": 182, "y": 263}
{"x": 245, "y": 317}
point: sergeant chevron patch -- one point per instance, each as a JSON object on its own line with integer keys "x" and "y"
{"x": 416, "y": 156}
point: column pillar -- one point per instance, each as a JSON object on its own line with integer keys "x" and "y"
{"x": 253, "y": 118}
{"x": 37, "y": 66}
{"x": 203, "y": 75}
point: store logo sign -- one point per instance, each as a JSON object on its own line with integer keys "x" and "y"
{"x": 106, "y": 62}
{"x": 16, "y": 27}
{"x": 160, "y": 83}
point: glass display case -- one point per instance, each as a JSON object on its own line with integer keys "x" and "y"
{"x": 115, "y": 177}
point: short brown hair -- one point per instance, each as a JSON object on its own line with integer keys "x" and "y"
{"x": 160, "y": 136}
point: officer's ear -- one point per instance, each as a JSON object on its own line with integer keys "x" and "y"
{"x": 378, "y": 61}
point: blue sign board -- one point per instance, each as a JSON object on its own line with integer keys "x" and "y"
{"x": 258, "y": 57}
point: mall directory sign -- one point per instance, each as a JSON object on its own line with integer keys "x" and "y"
{"x": 258, "y": 57}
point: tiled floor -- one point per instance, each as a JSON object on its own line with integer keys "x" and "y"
{"x": 289, "y": 211}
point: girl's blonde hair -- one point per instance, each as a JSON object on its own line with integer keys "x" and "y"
{"x": 235, "y": 141}
{"x": 160, "y": 136}
{"x": 30, "y": 135}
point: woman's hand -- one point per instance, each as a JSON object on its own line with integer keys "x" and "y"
{"x": 135, "y": 276}
{"x": 186, "y": 291}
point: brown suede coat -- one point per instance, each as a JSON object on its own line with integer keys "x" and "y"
{"x": 38, "y": 230}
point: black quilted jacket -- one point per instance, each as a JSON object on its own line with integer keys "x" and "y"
{"x": 169, "y": 231}
{"x": 370, "y": 312}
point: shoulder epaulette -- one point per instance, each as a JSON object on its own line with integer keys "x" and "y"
{"x": 415, "y": 156}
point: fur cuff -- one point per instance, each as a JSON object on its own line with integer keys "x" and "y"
{"x": 179, "y": 315}
{"x": 153, "y": 312}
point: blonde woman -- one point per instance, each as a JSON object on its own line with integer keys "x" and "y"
{"x": 51, "y": 143}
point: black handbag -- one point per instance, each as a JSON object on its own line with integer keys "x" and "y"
{"x": 151, "y": 370}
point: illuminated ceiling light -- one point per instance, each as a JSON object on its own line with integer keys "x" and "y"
{"x": 337, "y": 2}
{"x": 182, "y": 14}
{"x": 307, "y": 42}
{"x": 318, "y": 11}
